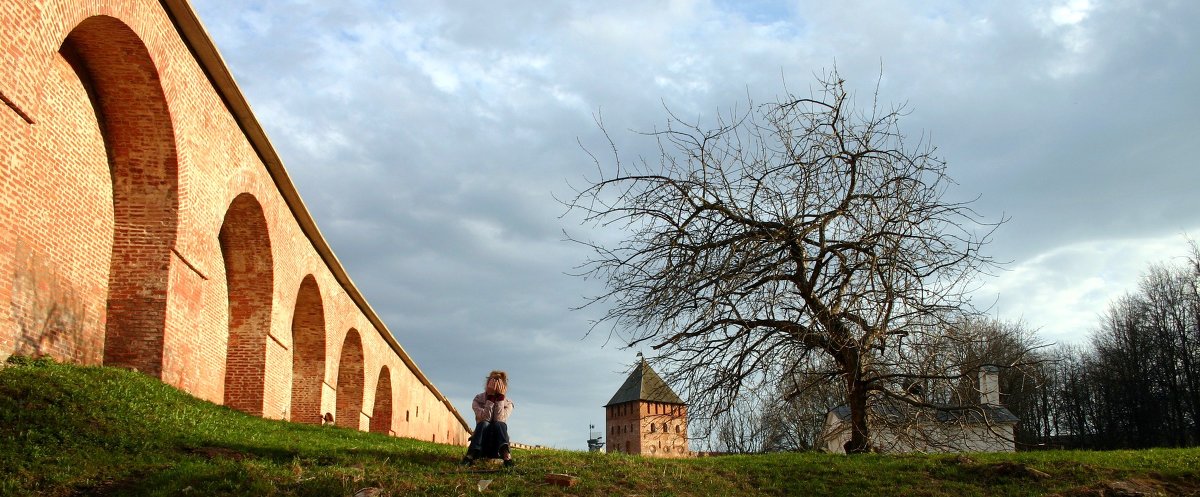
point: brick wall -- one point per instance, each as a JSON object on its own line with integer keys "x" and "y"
{"x": 146, "y": 222}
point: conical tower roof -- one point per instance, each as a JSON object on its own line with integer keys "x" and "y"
{"x": 644, "y": 384}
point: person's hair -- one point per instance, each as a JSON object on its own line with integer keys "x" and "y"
{"x": 503, "y": 377}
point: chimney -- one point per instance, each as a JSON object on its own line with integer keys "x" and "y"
{"x": 989, "y": 385}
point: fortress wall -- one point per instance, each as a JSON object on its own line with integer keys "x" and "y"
{"x": 146, "y": 222}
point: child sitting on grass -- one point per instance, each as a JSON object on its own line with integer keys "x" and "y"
{"x": 491, "y": 421}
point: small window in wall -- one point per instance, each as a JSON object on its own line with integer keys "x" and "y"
{"x": 651, "y": 427}
{"x": 405, "y": 416}
{"x": 665, "y": 429}
{"x": 676, "y": 428}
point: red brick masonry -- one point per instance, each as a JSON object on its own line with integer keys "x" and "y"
{"x": 146, "y": 222}
{"x": 646, "y": 428}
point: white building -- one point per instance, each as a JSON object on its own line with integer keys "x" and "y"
{"x": 899, "y": 428}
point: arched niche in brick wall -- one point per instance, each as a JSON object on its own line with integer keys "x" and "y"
{"x": 127, "y": 96}
{"x": 381, "y": 414}
{"x": 308, "y": 352}
{"x": 350, "y": 380}
{"x": 246, "y": 251}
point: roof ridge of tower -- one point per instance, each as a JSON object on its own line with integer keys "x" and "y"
{"x": 644, "y": 384}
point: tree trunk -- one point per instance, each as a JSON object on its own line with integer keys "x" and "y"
{"x": 856, "y": 399}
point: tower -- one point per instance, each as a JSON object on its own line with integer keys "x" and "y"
{"x": 646, "y": 417}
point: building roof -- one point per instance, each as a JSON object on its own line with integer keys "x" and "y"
{"x": 645, "y": 385}
{"x": 984, "y": 414}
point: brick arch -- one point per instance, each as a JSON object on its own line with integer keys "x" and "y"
{"x": 350, "y": 380}
{"x": 123, "y": 85}
{"x": 60, "y": 231}
{"x": 381, "y": 414}
{"x": 308, "y": 352}
{"x": 246, "y": 250}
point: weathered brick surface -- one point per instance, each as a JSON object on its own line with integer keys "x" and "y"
{"x": 139, "y": 226}
{"x": 647, "y": 428}
{"x": 350, "y": 381}
{"x": 308, "y": 347}
{"x": 381, "y": 413}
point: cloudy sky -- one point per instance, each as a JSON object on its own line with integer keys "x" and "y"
{"x": 428, "y": 140}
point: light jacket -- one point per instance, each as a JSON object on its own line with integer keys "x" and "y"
{"x": 486, "y": 410}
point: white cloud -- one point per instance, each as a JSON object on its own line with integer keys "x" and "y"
{"x": 444, "y": 75}
{"x": 1066, "y": 23}
{"x": 1064, "y": 291}
{"x": 1071, "y": 13}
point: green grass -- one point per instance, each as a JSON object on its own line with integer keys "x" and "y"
{"x": 72, "y": 430}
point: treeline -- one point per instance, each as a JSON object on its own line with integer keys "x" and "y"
{"x": 1136, "y": 382}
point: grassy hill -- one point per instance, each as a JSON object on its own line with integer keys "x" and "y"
{"x": 71, "y": 430}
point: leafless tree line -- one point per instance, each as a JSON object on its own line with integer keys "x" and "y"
{"x": 1136, "y": 383}
{"x": 941, "y": 397}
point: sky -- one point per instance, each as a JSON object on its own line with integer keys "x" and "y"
{"x": 429, "y": 139}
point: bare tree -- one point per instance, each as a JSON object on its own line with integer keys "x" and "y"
{"x": 743, "y": 428}
{"x": 796, "y": 230}
{"x": 780, "y": 414}
{"x": 795, "y": 422}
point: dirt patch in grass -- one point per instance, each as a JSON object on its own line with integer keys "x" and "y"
{"x": 1011, "y": 470}
{"x": 1135, "y": 487}
{"x": 997, "y": 471}
{"x": 218, "y": 453}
